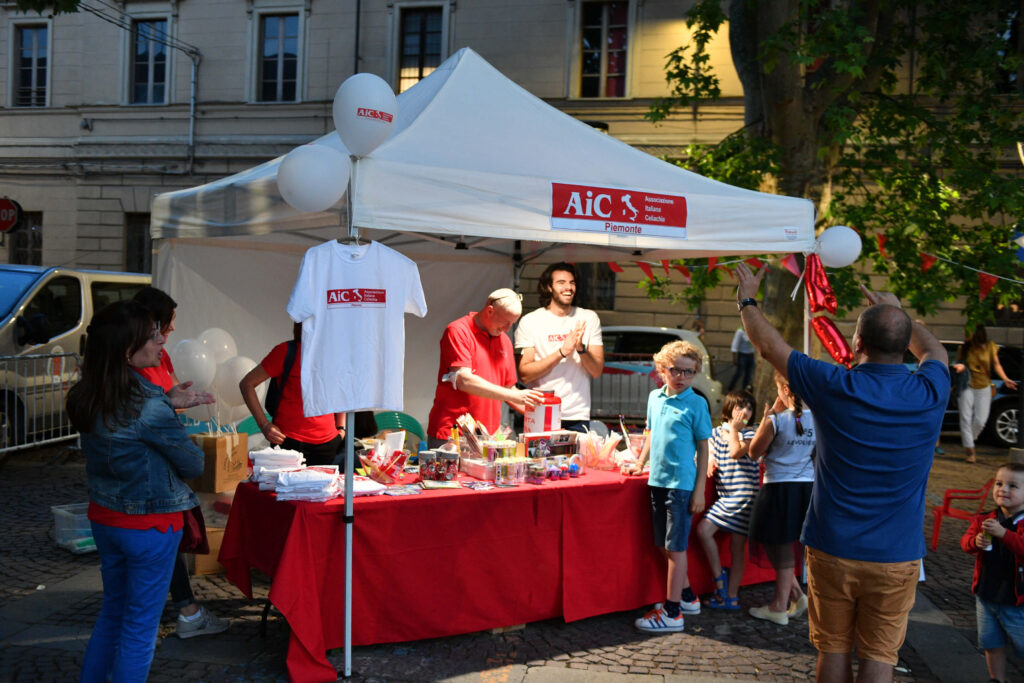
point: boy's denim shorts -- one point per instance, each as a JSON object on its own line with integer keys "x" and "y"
{"x": 670, "y": 512}
{"x": 998, "y": 624}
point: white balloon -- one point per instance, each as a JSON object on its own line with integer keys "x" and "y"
{"x": 220, "y": 344}
{"x": 365, "y": 108}
{"x": 202, "y": 413}
{"x": 229, "y": 374}
{"x": 313, "y": 177}
{"x": 838, "y": 246}
{"x": 193, "y": 362}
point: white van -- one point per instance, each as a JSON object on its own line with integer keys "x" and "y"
{"x": 45, "y": 312}
{"x": 629, "y": 375}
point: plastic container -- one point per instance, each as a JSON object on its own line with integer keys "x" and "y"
{"x": 71, "y": 528}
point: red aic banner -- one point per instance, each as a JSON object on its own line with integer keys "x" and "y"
{"x": 357, "y": 297}
{"x": 615, "y": 210}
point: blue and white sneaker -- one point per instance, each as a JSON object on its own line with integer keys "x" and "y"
{"x": 658, "y": 621}
{"x": 691, "y": 607}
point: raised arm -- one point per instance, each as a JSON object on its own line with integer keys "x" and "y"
{"x": 923, "y": 343}
{"x": 763, "y": 335}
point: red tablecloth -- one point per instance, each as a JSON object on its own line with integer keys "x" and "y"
{"x": 452, "y": 561}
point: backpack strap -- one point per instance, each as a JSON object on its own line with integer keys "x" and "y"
{"x": 289, "y": 361}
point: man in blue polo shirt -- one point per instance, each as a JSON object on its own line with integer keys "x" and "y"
{"x": 877, "y": 426}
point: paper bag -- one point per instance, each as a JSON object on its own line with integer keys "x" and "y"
{"x": 227, "y": 462}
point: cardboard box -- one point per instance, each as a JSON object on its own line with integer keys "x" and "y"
{"x": 208, "y": 564}
{"x": 227, "y": 462}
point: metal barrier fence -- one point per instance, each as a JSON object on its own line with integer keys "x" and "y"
{"x": 32, "y": 400}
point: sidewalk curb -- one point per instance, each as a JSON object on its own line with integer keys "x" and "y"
{"x": 951, "y": 657}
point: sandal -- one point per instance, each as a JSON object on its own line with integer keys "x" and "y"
{"x": 724, "y": 603}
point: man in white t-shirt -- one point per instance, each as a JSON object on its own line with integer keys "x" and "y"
{"x": 559, "y": 346}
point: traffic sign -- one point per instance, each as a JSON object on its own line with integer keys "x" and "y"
{"x": 10, "y": 214}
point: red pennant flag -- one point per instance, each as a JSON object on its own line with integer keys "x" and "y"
{"x": 646, "y": 267}
{"x": 614, "y": 267}
{"x": 684, "y": 271}
{"x": 712, "y": 263}
{"x": 754, "y": 263}
{"x": 664, "y": 264}
{"x": 927, "y": 261}
{"x": 882, "y": 239}
{"x": 791, "y": 265}
{"x": 985, "y": 283}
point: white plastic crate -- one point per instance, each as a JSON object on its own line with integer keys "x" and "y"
{"x": 71, "y": 528}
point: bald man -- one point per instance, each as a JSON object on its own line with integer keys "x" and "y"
{"x": 477, "y": 369}
{"x": 876, "y": 425}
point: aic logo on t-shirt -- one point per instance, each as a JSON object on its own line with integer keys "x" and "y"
{"x": 557, "y": 337}
{"x": 358, "y": 297}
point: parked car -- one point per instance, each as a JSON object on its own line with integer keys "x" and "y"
{"x": 629, "y": 374}
{"x": 1001, "y": 428}
{"x": 45, "y": 312}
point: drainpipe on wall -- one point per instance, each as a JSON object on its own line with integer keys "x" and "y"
{"x": 196, "y": 57}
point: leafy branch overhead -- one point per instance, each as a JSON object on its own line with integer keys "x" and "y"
{"x": 899, "y": 118}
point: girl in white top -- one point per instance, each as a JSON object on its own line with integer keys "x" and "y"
{"x": 785, "y": 441}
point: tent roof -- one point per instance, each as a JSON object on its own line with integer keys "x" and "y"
{"x": 472, "y": 158}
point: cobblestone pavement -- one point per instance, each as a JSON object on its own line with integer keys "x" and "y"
{"x": 715, "y": 645}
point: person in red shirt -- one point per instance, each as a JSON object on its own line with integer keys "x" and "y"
{"x": 319, "y": 438}
{"x": 477, "y": 369}
{"x": 193, "y": 619}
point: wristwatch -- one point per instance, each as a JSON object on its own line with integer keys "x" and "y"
{"x": 746, "y": 302}
{"x": 583, "y": 350}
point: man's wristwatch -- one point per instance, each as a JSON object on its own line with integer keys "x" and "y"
{"x": 583, "y": 350}
{"x": 742, "y": 303}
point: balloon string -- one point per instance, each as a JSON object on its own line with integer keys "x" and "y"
{"x": 797, "y": 288}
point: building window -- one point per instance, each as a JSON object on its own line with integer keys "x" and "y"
{"x": 31, "y": 61}
{"x": 420, "y": 45}
{"x": 603, "y": 49}
{"x": 138, "y": 249}
{"x": 149, "y": 62}
{"x": 595, "y": 286}
{"x": 27, "y": 242}
{"x": 278, "y": 57}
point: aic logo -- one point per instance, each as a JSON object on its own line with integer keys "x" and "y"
{"x": 367, "y": 113}
{"x": 356, "y": 297}
{"x": 604, "y": 209}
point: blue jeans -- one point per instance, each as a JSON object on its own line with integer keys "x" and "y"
{"x": 744, "y": 371}
{"x": 136, "y": 566}
{"x": 998, "y": 624}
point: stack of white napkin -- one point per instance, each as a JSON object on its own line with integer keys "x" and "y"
{"x": 269, "y": 462}
{"x": 318, "y": 484}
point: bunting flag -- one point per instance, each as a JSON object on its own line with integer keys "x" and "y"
{"x": 882, "y": 239}
{"x": 712, "y": 263}
{"x": 646, "y": 267}
{"x": 614, "y": 267}
{"x": 664, "y": 264}
{"x": 754, "y": 263}
{"x": 986, "y": 282}
{"x": 791, "y": 265}
{"x": 684, "y": 271}
{"x": 927, "y": 261}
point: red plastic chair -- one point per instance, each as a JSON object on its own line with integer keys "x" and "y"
{"x": 947, "y": 510}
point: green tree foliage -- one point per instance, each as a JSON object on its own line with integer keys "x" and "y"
{"x": 899, "y": 118}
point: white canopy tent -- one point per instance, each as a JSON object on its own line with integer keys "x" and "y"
{"x": 466, "y": 186}
{"x": 475, "y": 179}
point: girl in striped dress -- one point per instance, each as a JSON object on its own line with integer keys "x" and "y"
{"x": 736, "y": 482}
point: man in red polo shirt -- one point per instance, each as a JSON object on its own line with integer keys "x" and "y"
{"x": 477, "y": 369}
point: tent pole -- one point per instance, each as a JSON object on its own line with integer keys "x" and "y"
{"x": 350, "y": 424}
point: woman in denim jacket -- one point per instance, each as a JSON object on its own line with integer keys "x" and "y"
{"x": 137, "y": 457}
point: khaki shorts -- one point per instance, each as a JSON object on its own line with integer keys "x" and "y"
{"x": 852, "y": 602}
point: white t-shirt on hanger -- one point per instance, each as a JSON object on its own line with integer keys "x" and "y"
{"x": 351, "y": 301}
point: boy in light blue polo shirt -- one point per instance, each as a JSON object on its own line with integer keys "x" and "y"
{"x": 680, "y": 426}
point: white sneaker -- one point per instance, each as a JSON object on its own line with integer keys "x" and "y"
{"x": 690, "y": 607}
{"x": 765, "y": 612}
{"x": 658, "y": 621}
{"x": 798, "y": 607}
{"x": 206, "y": 625}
